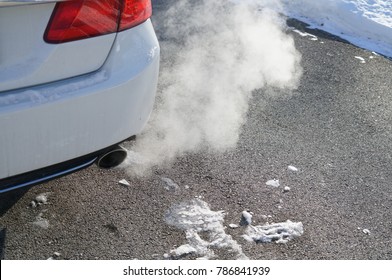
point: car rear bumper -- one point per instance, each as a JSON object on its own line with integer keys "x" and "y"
{"x": 53, "y": 123}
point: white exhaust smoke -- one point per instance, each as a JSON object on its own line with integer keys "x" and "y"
{"x": 215, "y": 54}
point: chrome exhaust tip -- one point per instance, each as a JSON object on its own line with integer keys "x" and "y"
{"x": 112, "y": 158}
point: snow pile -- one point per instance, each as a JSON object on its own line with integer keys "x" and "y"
{"x": 205, "y": 232}
{"x": 365, "y": 23}
{"x": 278, "y": 232}
{"x": 196, "y": 217}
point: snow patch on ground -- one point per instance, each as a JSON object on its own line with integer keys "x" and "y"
{"x": 361, "y": 59}
{"x": 277, "y": 232}
{"x": 196, "y": 217}
{"x": 205, "y": 232}
{"x": 170, "y": 185}
{"x": 41, "y": 199}
{"x": 273, "y": 183}
{"x": 40, "y": 221}
{"x": 305, "y": 34}
{"x": 365, "y": 23}
{"x": 183, "y": 250}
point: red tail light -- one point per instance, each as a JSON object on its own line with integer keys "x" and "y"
{"x": 134, "y": 12}
{"x": 79, "y": 19}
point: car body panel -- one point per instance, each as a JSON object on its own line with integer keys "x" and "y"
{"x": 58, "y": 121}
{"x": 27, "y": 60}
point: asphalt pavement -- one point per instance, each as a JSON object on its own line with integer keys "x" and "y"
{"x": 336, "y": 129}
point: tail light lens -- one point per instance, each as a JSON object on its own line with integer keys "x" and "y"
{"x": 134, "y": 12}
{"x": 79, "y": 19}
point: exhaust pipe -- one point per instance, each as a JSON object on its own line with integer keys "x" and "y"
{"x": 112, "y": 158}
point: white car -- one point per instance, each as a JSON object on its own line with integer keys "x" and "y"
{"x": 77, "y": 78}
